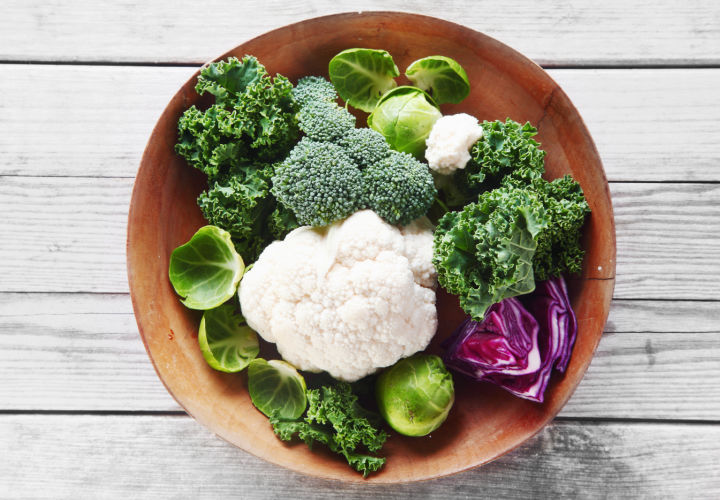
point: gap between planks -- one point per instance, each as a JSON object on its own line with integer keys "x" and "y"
{"x": 648, "y": 125}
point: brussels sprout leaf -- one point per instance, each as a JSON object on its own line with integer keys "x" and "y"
{"x": 227, "y": 343}
{"x": 206, "y": 270}
{"x": 362, "y": 76}
{"x": 441, "y": 76}
{"x": 276, "y": 388}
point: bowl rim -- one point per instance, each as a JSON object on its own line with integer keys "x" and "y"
{"x": 556, "y": 89}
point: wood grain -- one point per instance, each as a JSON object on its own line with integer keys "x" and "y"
{"x": 639, "y": 32}
{"x": 649, "y": 125}
{"x": 68, "y": 235}
{"x": 58, "y": 456}
{"x": 83, "y": 352}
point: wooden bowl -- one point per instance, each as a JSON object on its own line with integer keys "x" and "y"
{"x": 485, "y": 421}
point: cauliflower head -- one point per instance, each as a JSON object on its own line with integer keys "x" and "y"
{"x": 348, "y": 298}
{"x": 449, "y": 142}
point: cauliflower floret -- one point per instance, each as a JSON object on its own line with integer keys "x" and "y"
{"x": 347, "y": 299}
{"x": 449, "y": 142}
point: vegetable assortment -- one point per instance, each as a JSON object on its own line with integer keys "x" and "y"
{"x": 348, "y": 230}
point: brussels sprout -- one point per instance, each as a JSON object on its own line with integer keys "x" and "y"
{"x": 226, "y": 342}
{"x": 206, "y": 270}
{"x": 362, "y": 76}
{"x": 277, "y": 389}
{"x": 442, "y": 77}
{"x": 405, "y": 116}
{"x": 415, "y": 395}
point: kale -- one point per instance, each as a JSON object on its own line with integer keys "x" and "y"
{"x": 558, "y": 245}
{"x": 242, "y": 205}
{"x": 484, "y": 253}
{"x": 335, "y": 419}
{"x": 252, "y": 120}
{"x": 235, "y": 142}
{"x": 505, "y": 150}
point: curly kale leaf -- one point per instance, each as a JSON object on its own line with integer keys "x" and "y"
{"x": 558, "y": 245}
{"x": 335, "y": 419}
{"x": 505, "y": 150}
{"x": 242, "y": 205}
{"x": 484, "y": 253}
{"x": 253, "y": 118}
{"x": 227, "y": 80}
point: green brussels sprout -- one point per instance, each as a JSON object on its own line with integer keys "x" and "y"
{"x": 405, "y": 116}
{"x": 415, "y": 395}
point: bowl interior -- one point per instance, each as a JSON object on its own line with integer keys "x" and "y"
{"x": 485, "y": 421}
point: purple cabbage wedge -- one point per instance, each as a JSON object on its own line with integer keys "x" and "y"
{"x": 516, "y": 346}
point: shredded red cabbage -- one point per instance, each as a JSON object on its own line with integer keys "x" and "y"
{"x": 516, "y": 346}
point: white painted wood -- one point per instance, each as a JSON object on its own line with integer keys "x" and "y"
{"x": 83, "y": 352}
{"x": 635, "y": 32}
{"x": 70, "y": 456}
{"x": 649, "y": 125}
{"x": 64, "y": 234}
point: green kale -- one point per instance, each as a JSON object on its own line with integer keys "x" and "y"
{"x": 484, "y": 253}
{"x": 335, "y": 419}
{"x": 505, "y": 150}
{"x": 253, "y": 118}
{"x": 399, "y": 188}
{"x": 558, "y": 245}
{"x": 242, "y": 205}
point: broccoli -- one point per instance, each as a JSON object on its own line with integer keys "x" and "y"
{"x": 319, "y": 182}
{"x": 325, "y": 121}
{"x": 399, "y": 188}
{"x": 314, "y": 88}
{"x": 365, "y": 146}
{"x": 241, "y": 204}
{"x": 337, "y": 169}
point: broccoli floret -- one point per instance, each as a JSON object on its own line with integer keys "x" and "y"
{"x": 319, "y": 182}
{"x": 325, "y": 121}
{"x": 314, "y": 88}
{"x": 399, "y": 188}
{"x": 365, "y": 146}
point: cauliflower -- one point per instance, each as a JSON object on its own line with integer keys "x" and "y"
{"x": 348, "y": 299}
{"x": 449, "y": 143}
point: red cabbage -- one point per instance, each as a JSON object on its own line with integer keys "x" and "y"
{"x": 516, "y": 347}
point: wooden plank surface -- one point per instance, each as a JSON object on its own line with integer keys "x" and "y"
{"x": 638, "y": 32}
{"x": 67, "y": 234}
{"x": 83, "y": 352}
{"x": 649, "y": 125}
{"x": 61, "y": 456}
